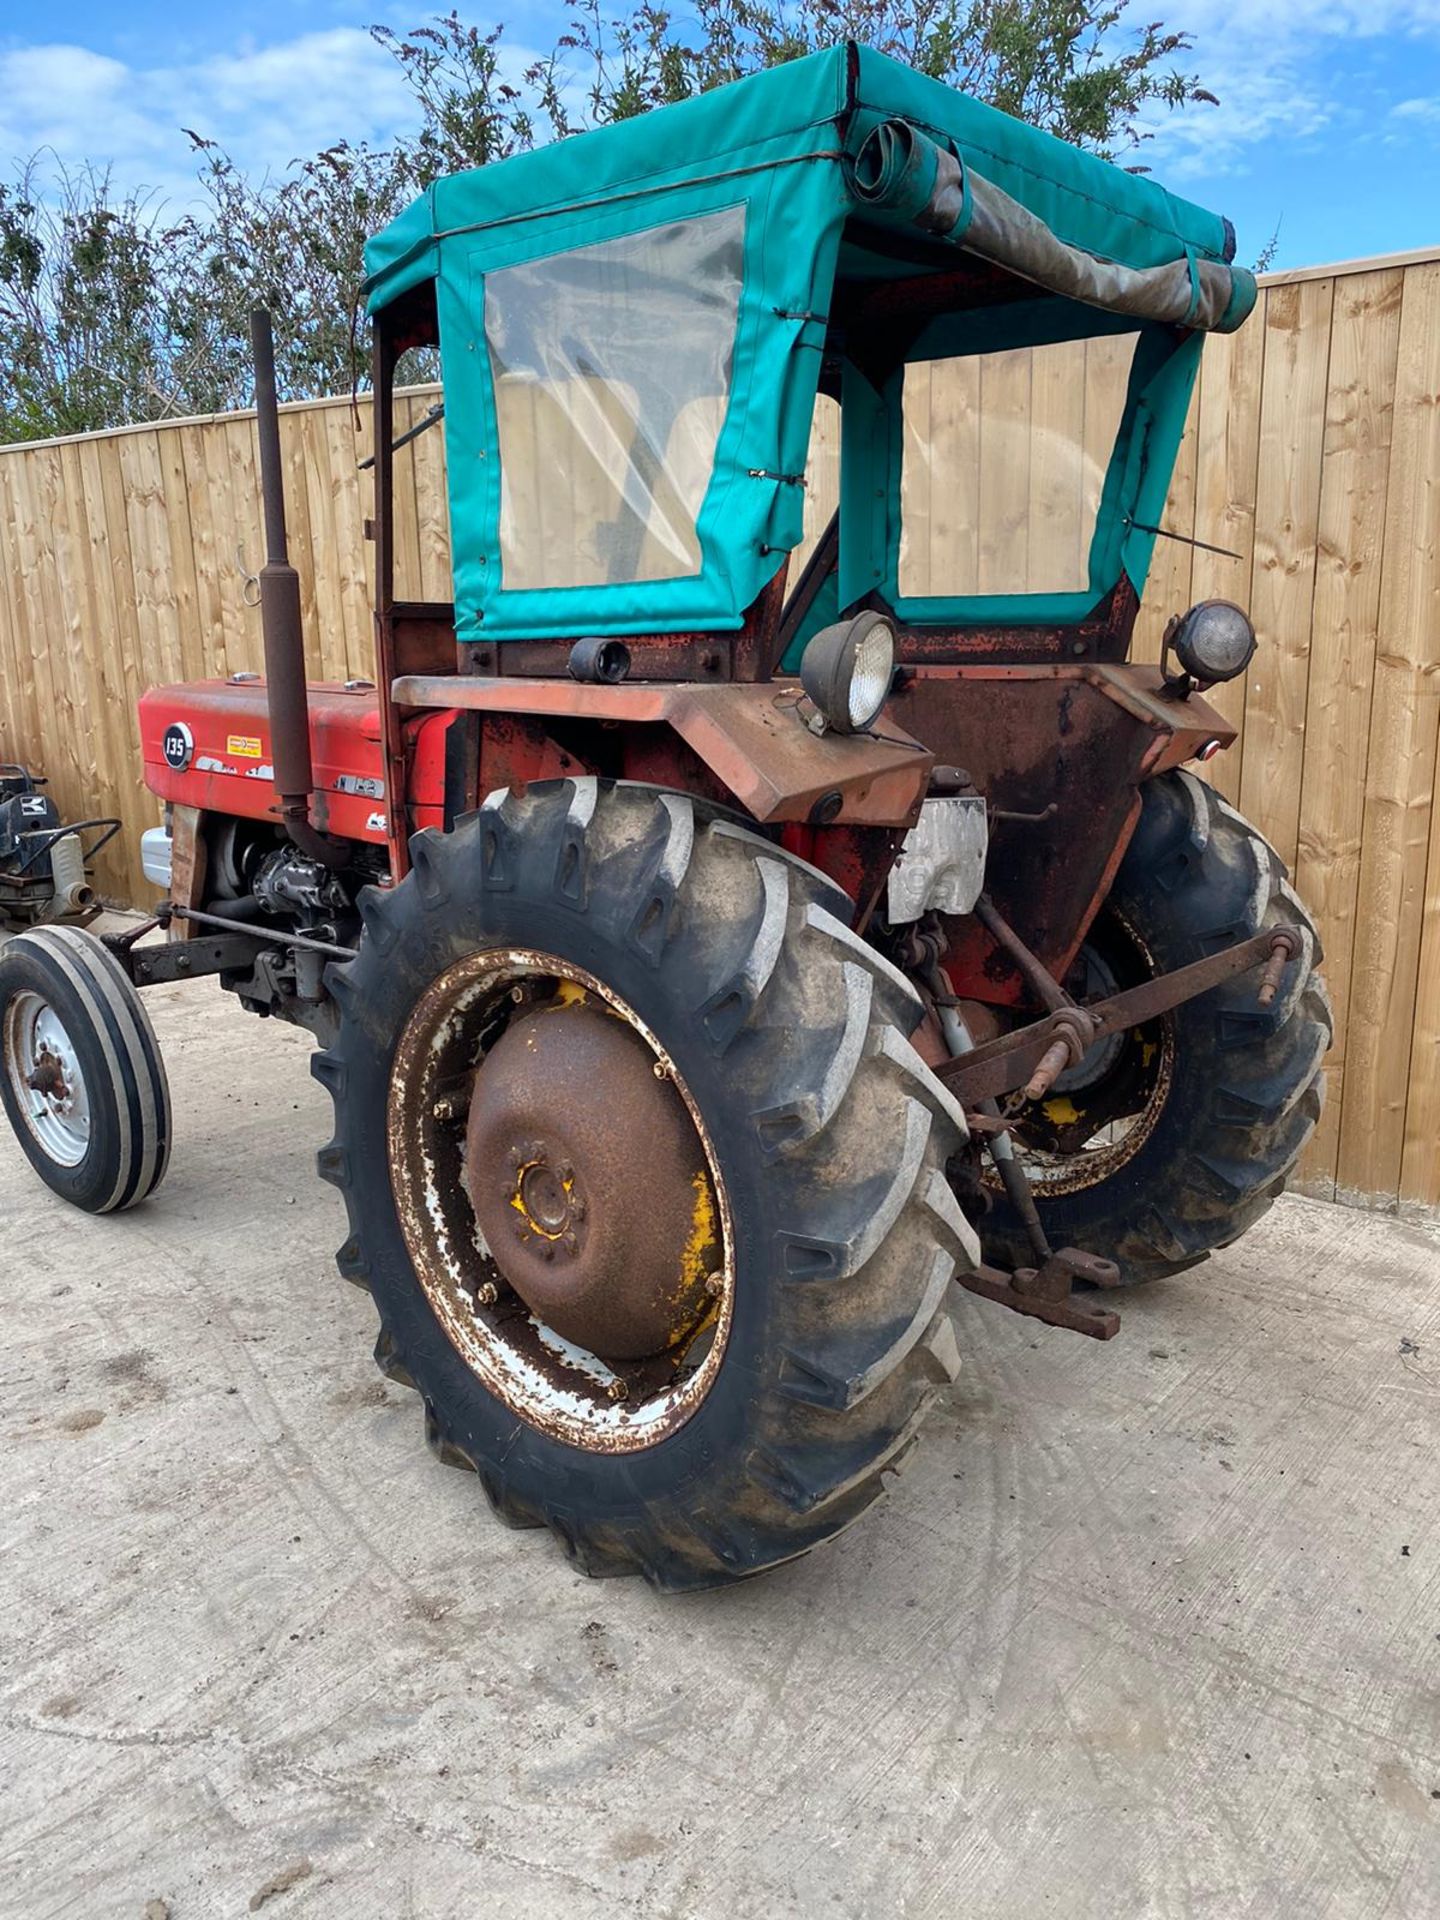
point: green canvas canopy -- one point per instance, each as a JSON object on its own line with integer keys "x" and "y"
{"x": 641, "y": 313}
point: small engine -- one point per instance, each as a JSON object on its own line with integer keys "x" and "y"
{"x": 44, "y": 864}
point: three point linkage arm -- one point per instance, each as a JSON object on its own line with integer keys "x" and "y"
{"x": 1034, "y": 1057}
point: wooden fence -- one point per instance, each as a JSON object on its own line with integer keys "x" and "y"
{"x": 1312, "y": 456}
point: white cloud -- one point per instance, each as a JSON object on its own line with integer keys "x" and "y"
{"x": 1256, "y": 106}
{"x": 267, "y": 105}
{"x": 1284, "y": 70}
{"x": 1280, "y": 22}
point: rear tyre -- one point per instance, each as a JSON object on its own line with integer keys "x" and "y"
{"x": 826, "y": 1139}
{"x": 1209, "y": 1107}
{"x": 81, "y": 1076}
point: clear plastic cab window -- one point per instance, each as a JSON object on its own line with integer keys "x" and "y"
{"x": 1003, "y": 463}
{"x": 611, "y": 367}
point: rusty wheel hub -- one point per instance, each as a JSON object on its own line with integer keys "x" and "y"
{"x": 561, "y": 1199}
{"x": 1099, "y": 1113}
{"x": 589, "y": 1182}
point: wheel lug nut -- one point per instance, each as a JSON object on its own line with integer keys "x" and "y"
{"x": 715, "y": 1283}
{"x": 487, "y": 1293}
{"x": 618, "y": 1389}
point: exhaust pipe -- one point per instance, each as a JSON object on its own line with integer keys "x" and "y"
{"x": 280, "y": 621}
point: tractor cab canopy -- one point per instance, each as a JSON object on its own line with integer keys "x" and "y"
{"x": 634, "y": 325}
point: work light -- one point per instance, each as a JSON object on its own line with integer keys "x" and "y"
{"x": 846, "y": 670}
{"x": 1213, "y": 641}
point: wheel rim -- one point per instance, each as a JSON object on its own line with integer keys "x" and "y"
{"x": 46, "y": 1079}
{"x": 547, "y": 1205}
{"x": 1101, "y": 1112}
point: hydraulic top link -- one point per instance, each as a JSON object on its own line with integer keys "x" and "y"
{"x": 1034, "y": 1057}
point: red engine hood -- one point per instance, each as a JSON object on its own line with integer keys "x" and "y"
{"x": 206, "y": 744}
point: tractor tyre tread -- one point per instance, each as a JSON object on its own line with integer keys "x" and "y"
{"x": 129, "y": 1149}
{"x": 793, "y": 1038}
{"x": 1248, "y": 1083}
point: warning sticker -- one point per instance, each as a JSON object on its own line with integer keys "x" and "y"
{"x": 244, "y": 746}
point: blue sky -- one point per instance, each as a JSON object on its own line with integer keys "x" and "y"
{"x": 1328, "y": 125}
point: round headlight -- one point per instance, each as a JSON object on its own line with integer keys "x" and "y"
{"x": 846, "y": 671}
{"x": 1214, "y": 640}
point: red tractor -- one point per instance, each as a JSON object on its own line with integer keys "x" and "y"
{"x": 709, "y": 965}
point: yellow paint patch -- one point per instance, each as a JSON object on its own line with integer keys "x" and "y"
{"x": 697, "y": 1257}
{"x": 517, "y": 1201}
{"x": 1061, "y": 1112}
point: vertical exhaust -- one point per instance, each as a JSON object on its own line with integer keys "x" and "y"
{"x": 280, "y": 620}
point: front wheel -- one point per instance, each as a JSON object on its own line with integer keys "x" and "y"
{"x": 646, "y": 1180}
{"x": 81, "y": 1076}
{"x": 1170, "y": 1141}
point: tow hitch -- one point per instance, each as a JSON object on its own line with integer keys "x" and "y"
{"x": 1046, "y": 1292}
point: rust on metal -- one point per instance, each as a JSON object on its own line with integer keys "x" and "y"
{"x": 589, "y": 1182}
{"x": 1079, "y": 738}
{"x": 824, "y": 559}
{"x": 1105, "y": 636}
{"x": 1285, "y": 946}
{"x": 750, "y": 735}
{"x": 1076, "y": 1031}
{"x": 747, "y": 654}
{"x": 1047, "y": 1292}
{"x": 189, "y": 861}
{"x": 390, "y": 335}
{"x": 280, "y": 623}
{"x": 1043, "y": 985}
{"x": 48, "y": 1079}
{"x": 858, "y": 859}
{"x": 1013, "y": 1059}
{"x": 423, "y": 636}
{"x": 254, "y": 930}
{"x": 555, "y": 1384}
{"x": 703, "y": 657}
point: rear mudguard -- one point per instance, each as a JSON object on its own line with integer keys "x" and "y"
{"x": 1069, "y": 743}
{"x": 1072, "y": 745}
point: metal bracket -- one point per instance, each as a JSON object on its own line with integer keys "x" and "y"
{"x": 189, "y": 959}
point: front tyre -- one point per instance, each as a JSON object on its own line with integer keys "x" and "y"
{"x": 81, "y": 1076}
{"x": 646, "y": 1180}
{"x": 1170, "y": 1141}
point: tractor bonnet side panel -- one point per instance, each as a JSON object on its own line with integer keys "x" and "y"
{"x": 207, "y": 745}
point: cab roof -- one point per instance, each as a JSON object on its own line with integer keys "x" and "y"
{"x": 811, "y": 113}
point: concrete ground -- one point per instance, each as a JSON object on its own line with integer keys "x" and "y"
{"x": 1150, "y": 1628}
